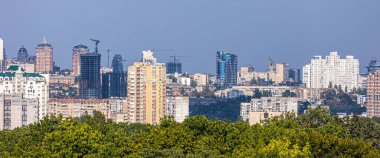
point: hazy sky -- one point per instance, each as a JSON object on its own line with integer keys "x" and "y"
{"x": 290, "y": 31}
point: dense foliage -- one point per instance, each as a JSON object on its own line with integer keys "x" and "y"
{"x": 340, "y": 102}
{"x": 315, "y": 134}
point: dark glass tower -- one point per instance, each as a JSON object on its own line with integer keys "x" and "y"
{"x": 174, "y": 67}
{"x": 89, "y": 80}
{"x": 118, "y": 79}
{"x": 226, "y": 69}
{"x": 22, "y": 55}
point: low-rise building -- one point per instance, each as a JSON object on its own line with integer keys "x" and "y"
{"x": 266, "y": 107}
{"x": 178, "y": 107}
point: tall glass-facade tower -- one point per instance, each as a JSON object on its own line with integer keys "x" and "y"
{"x": 89, "y": 80}
{"x": 226, "y": 69}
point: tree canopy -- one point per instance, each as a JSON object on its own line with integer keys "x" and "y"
{"x": 315, "y": 134}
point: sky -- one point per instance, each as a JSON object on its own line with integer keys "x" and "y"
{"x": 287, "y": 31}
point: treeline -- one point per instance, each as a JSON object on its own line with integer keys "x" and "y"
{"x": 315, "y": 134}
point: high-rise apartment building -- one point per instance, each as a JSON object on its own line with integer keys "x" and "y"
{"x": 146, "y": 90}
{"x": 16, "y": 111}
{"x": 89, "y": 80}
{"x": 178, "y": 107}
{"x": 331, "y": 71}
{"x": 77, "y": 51}
{"x": 373, "y": 90}
{"x": 2, "y": 55}
{"x": 44, "y": 57}
{"x": 226, "y": 69}
{"x": 201, "y": 79}
{"x": 30, "y": 85}
{"x": 282, "y": 73}
{"x": 22, "y": 55}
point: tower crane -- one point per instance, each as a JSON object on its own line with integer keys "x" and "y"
{"x": 96, "y": 45}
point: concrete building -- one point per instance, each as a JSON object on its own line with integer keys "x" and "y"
{"x": 266, "y": 107}
{"x": 17, "y": 111}
{"x": 44, "y": 57}
{"x": 373, "y": 94}
{"x": 62, "y": 79}
{"x": 174, "y": 66}
{"x": 245, "y": 75}
{"x": 361, "y": 100}
{"x": 282, "y": 73}
{"x": 2, "y": 55}
{"x": 26, "y": 67}
{"x": 78, "y": 107}
{"x": 178, "y": 107}
{"x": 146, "y": 90}
{"x": 332, "y": 70}
{"x": 226, "y": 69}
{"x": 77, "y": 51}
{"x": 201, "y": 79}
{"x": 30, "y": 85}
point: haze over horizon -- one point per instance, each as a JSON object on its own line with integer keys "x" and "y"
{"x": 287, "y": 31}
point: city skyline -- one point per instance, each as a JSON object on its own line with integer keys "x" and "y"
{"x": 266, "y": 30}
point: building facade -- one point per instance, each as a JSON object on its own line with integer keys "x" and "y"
{"x": 174, "y": 66}
{"x": 226, "y": 69}
{"x": 118, "y": 79}
{"x": 77, "y": 51}
{"x": 2, "y": 55}
{"x": 22, "y": 55}
{"x": 30, "y": 85}
{"x": 89, "y": 80}
{"x": 44, "y": 57}
{"x": 373, "y": 94}
{"x": 331, "y": 71}
{"x": 17, "y": 111}
{"x": 146, "y": 90}
{"x": 266, "y": 107}
{"x": 177, "y": 107}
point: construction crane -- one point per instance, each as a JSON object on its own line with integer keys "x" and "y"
{"x": 96, "y": 45}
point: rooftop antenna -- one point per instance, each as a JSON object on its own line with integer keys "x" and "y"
{"x": 96, "y": 45}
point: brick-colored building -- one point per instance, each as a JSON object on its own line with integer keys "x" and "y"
{"x": 373, "y": 94}
{"x": 77, "y": 51}
{"x": 44, "y": 57}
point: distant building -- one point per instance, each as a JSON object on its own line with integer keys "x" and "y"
{"x": 282, "y": 73}
{"x": 295, "y": 75}
{"x": 30, "y": 85}
{"x": 89, "y": 80}
{"x": 331, "y": 71}
{"x": 17, "y": 111}
{"x": 146, "y": 90}
{"x": 266, "y": 107}
{"x": 118, "y": 78}
{"x": 373, "y": 66}
{"x": 226, "y": 69}
{"x": 32, "y": 59}
{"x": 44, "y": 57}
{"x": 78, "y": 107}
{"x": 178, "y": 107}
{"x": 373, "y": 94}
{"x": 77, "y": 51}
{"x": 245, "y": 75}
{"x": 201, "y": 79}
{"x": 22, "y": 55}
{"x": 361, "y": 99}
{"x": 26, "y": 67}
{"x": 174, "y": 66}
{"x": 2, "y": 55}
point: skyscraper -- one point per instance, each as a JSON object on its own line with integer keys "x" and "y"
{"x": 146, "y": 90}
{"x": 118, "y": 81}
{"x": 174, "y": 66}
{"x": 22, "y": 55}
{"x": 77, "y": 51}
{"x": 226, "y": 69}
{"x": 89, "y": 80}
{"x": 44, "y": 57}
{"x": 333, "y": 70}
{"x": 294, "y": 75}
{"x": 282, "y": 73}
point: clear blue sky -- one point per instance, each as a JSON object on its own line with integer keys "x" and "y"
{"x": 290, "y": 31}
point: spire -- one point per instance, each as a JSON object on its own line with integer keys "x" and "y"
{"x": 44, "y": 40}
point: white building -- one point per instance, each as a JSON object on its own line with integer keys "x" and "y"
{"x": 178, "y": 107}
{"x": 2, "y": 55}
{"x": 30, "y": 85}
{"x": 16, "y": 111}
{"x": 266, "y": 107}
{"x": 332, "y": 70}
{"x": 361, "y": 99}
{"x": 201, "y": 79}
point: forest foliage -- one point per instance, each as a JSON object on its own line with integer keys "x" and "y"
{"x": 315, "y": 134}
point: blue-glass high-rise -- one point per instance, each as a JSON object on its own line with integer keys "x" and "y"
{"x": 114, "y": 83}
{"x": 89, "y": 80}
{"x": 226, "y": 69}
